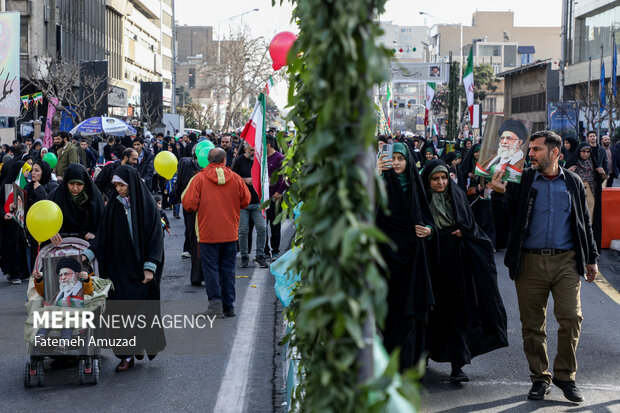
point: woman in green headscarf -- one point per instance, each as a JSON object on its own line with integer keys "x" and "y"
{"x": 408, "y": 222}
{"x": 469, "y": 318}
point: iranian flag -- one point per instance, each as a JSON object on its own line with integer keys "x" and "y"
{"x": 268, "y": 86}
{"x": 468, "y": 82}
{"x": 430, "y": 95}
{"x": 20, "y": 181}
{"x": 389, "y": 101}
{"x": 254, "y": 135}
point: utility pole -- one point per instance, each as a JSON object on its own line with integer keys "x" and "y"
{"x": 589, "y": 81}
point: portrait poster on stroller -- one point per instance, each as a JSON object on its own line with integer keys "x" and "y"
{"x": 63, "y": 288}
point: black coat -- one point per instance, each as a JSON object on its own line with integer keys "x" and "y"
{"x": 146, "y": 168}
{"x": 469, "y": 317}
{"x": 13, "y": 242}
{"x": 122, "y": 252}
{"x": 410, "y": 293}
{"x": 515, "y": 206}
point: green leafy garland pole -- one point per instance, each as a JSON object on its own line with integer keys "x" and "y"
{"x": 334, "y": 66}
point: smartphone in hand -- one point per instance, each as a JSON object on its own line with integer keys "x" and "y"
{"x": 388, "y": 150}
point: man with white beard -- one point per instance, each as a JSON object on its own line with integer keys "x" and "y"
{"x": 512, "y": 134}
{"x": 73, "y": 284}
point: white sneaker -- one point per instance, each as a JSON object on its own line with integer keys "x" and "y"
{"x": 186, "y": 255}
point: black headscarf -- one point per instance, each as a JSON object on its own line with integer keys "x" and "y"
{"x": 85, "y": 217}
{"x": 10, "y": 171}
{"x": 46, "y": 182}
{"x": 574, "y": 159}
{"x": 568, "y": 153}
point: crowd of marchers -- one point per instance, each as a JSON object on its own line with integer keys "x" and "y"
{"x": 111, "y": 196}
{"x": 446, "y": 222}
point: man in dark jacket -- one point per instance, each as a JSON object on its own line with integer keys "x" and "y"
{"x": 145, "y": 164}
{"x": 550, "y": 247}
{"x": 598, "y": 152}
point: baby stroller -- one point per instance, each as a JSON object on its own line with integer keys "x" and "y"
{"x": 62, "y": 292}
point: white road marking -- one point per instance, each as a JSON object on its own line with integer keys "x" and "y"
{"x": 231, "y": 396}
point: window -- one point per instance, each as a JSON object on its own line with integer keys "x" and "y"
{"x": 166, "y": 41}
{"x": 529, "y": 103}
{"x": 510, "y": 56}
{"x": 489, "y": 50}
{"x": 166, "y": 19}
{"x": 166, "y": 63}
{"x": 526, "y": 59}
{"x": 23, "y": 35}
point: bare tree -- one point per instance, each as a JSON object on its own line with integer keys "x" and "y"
{"x": 242, "y": 70}
{"x": 7, "y": 85}
{"x": 59, "y": 79}
{"x": 151, "y": 107}
{"x": 198, "y": 115}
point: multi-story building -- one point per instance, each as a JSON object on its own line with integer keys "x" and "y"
{"x": 588, "y": 26}
{"x": 406, "y": 41}
{"x": 496, "y": 41}
{"x": 135, "y": 37}
{"x": 196, "y": 49}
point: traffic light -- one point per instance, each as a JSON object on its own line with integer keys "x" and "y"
{"x": 395, "y": 104}
{"x": 409, "y": 105}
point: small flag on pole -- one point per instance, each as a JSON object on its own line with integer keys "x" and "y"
{"x": 254, "y": 134}
{"x": 614, "y": 63}
{"x": 602, "y": 86}
{"x": 430, "y": 95}
{"x": 268, "y": 86}
{"x": 468, "y": 83}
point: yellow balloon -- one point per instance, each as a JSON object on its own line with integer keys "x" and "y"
{"x": 166, "y": 164}
{"x": 44, "y": 220}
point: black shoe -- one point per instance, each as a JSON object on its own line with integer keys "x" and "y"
{"x": 261, "y": 262}
{"x": 571, "y": 392}
{"x": 229, "y": 313}
{"x": 539, "y": 390}
{"x": 244, "y": 263}
{"x": 458, "y": 376}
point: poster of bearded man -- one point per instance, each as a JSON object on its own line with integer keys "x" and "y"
{"x": 504, "y": 147}
{"x": 63, "y": 286}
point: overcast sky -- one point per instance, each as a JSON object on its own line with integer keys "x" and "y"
{"x": 268, "y": 20}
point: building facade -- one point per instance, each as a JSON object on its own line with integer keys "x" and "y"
{"x": 135, "y": 37}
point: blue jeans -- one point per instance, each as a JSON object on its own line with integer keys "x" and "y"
{"x": 253, "y": 212}
{"x": 218, "y": 267}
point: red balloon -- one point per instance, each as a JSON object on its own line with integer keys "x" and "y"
{"x": 279, "y": 48}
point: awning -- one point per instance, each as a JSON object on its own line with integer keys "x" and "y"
{"x": 526, "y": 50}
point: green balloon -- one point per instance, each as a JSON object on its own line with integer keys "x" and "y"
{"x": 51, "y": 159}
{"x": 202, "y": 145}
{"x": 203, "y": 157}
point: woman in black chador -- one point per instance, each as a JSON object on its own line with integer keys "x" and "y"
{"x": 129, "y": 249}
{"x": 13, "y": 242}
{"x": 469, "y": 318}
{"x": 408, "y": 222}
{"x": 38, "y": 189}
{"x": 81, "y": 204}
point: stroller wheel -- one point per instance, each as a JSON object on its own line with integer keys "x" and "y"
{"x": 27, "y": 382}
{"x": 95, "y": 378}
{"x": 81, "y": 375}
{"x": 40, "y": 373}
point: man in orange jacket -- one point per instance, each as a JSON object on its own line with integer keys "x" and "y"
{"x": 217, "y": 195}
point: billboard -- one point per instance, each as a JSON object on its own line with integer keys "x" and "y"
{"x": 9, "y": 64}
{"x": 151, "y": 99}
{"x": 562, "y": 118}
{"x": 419, "y": 72}
{"x": 94, "y": 87}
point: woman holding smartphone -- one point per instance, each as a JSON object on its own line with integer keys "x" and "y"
{"x": 408, "y": 222}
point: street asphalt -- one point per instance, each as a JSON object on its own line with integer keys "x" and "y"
{"x": 238, "y": 367}
{"x": 183, "y": 378}
{"x": 500, "y": 379}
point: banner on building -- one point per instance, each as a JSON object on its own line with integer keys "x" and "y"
{"x": 562, "y": 118}
{"x": 94, "y": 87}
{"x": 51, "y": 111}
{"x": 419, "y": 72}
{"x": 10, "y": 102}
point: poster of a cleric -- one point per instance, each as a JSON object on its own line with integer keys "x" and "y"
{"x": 503, "y": 147}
